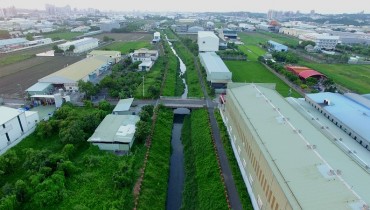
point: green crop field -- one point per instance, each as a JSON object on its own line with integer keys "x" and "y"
{"x": 14, "y": 58}
{"x": 254, "y": 71}
{"x": 353, "y": 77}
{"x": 125, "y": 47}
{"x": 63, "y": 35}
{"x": 261, "y": 37}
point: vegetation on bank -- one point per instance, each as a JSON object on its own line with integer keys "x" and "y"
{"x": 239, "y": 182}
{"x": 56, "y": 168}
{"x": 155, "y": 183}
{"x": 203, "y": 187}
{"x": 173, "y": 85}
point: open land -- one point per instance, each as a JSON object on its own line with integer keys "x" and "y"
{"x": 126, "y": 37}
{"x": 28, "y": 72}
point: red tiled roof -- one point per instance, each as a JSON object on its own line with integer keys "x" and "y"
{"x": 309, "y": 73}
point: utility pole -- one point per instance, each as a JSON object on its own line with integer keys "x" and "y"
{"x": 143, "y": 84}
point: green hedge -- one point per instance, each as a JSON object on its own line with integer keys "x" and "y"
{"x": 155, "y": 183}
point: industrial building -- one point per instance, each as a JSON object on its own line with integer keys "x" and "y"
{"x": 322, "y": 41}
{"x": 304, "y": 72}
{"x": 40, "y": 89}
{"x": 81, "y": 29}
{"x": 265, "y": 27}
{"x": 14, "y": 123}
{"x": 123, "y": 107}
{"x": 288, "y": 159}
{"x": 144, "y": 54}
{"x": 115, "y": 56}
{"x": 208, "y": 41}
{"x": 195, "y": 29}
{"x": 87, "y": 69}
{"x": 11, "y": 44}
{"x": 229, "y": 34}
{"x": 81, "y": 45}
{"x": 217, "y": 72}
{"x": 275, "y": 46}
{"x": 156, "y": 37}
{"x": 294, "y": 31}
{"x": 350, "y": 112}
{"x": 115, "y": 133}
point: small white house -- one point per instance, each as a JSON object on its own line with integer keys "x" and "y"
{"x": 144, "y": 54}
{"x": 207, "y": 41}
{"x": 156, "y": 37}
{"x": 145, "y": 65}
{"x": 123, "y": 106}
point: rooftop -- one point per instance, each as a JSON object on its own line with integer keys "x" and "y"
{"x": 4, "y": 42}
{"x": 202, "y": 34}
{"x": 213, "y": 62}
{"x": 286, "y": 138}
{"x": 105, "y": 53}
{"x": 7, "y": 114}
{"x": 145, "y": 50}
{"x": 78, "y": 42}
{"x": 352, "y": 113}
{"x": 275, "y": 43}
{"x": 39, "y": 86}
{"x": 123, "y": 105}
{"x": 76, "y": 71}
{"x": 115, "y": 129}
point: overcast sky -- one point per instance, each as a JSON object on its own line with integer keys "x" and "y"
{"x": 320, "y": 6}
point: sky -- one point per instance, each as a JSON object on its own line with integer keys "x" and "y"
{"x": 305, "y": 6}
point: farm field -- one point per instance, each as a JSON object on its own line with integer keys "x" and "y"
{"x": 126, "y": 37}
{"x": 125, "y": 47}
{"x": 353, "y": 77}
{"x": 254, "y": 38}
{"x": 27, "y": 72}
{"x": 255, "y": 72}
{"x": 63, "y": 35}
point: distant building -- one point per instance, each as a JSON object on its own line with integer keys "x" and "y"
{"x": 156, "y": 37}
{"x": 81, "y": 29}
{"x": 195, "y": 29}
{"x": 11, "y": 44}
{"x": 275, "y": 46}
{"x": 322, "y": 41}
{"x": 14, "y": 123}
{"x": 107, "y": 26}
{"x": 296, "y": 32}
{"x": 265, "y": 27}
{"x": 144, "y": 54}
{"x": 217, "y": 72}
{"x": 115, "y": 133}
{"x": 207, "y": 41}
{"x": 81, "y": 45}
{"x": 230, "y": 34}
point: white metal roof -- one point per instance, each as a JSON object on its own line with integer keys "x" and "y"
{"x": 115, "y": 129}
{"x": 40, "y": 86}
{"x": 7, "y": 114}
{"x": 202, "y": 34}
{"x": 12, "y": 41}
{"x": 213, "y": 62}
{"x": 123, "y": 105}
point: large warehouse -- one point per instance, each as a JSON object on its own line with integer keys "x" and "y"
{"x": 81, "y": 45}
{"x": 115, "y": 132}
{"x": 217, "y": 72}
{"x": 14, "y": 123}
{"x": 287, "y": 162}
{"x": 350, "y": 112}
{"x": 208, "y": 41}
{"x": 87, "y": 69}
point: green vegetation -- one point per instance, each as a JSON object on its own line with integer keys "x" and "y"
{"x": 203, "y": 186}
{"x": 173, "y": 85}
{"x": 155, "y": 183}
{"x": 152, "y": 80}
{"x": 67, "y": 35}
{"x": 9, "y": 59}
{"x": 191, "y": 74}
{"x": 126, "y": 47}
{"x": 282, "y": 39}
{"x": 239, "y": 182}
{"x": 56, "y": 168}
{"x": 254, "y": 71}
{"x": 353, "y": 77}
{"x": 4, "y": 34}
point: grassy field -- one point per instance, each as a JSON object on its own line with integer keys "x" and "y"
{"x": 253, "y": 71}
{"x": 283, "y": 39}
{"x": 63, "y": 35}
{"x": 125, "y": 47}
{"x": 254, "y": 38}
{"x": 14, "y": 58}
{"x": 152, "y": 78}
{"x": 353, "y": 77}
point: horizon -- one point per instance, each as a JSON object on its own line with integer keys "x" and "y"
{"x": 263, "y": 6}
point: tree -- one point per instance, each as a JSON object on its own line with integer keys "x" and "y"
{"x": 149, "y": 109}
{"x": 105, "y": 106}
{"x": 29, "y": 37}
{"x": 71, "y": 48}
{"x": 68, "y": 150}
{"x": 107, "y": 39}
{"x": 311, "y": 81}
{"x": 153, "y": 91}
{"x": 88, "y": 88}
{"x": 21, "y": 190}
{"x": 142, "y": 131}
{"x": 50, "y": 191}
{"x": 72, "y": 134}
{"x": 8, "y": 161}
{"x": 8, "y": 202}
{"x": 44, "y": 129}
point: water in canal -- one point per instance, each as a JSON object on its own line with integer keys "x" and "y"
{"x": 182, "y": 70}
{"x": 177, "y": 171}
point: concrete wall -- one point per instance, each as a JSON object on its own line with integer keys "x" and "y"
{"x": 13, "y": 130}
{"x": 112, "y": 147}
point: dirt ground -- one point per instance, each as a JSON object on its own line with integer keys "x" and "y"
{"x": 127, "y": 37}
{"x": 28, "y": 72}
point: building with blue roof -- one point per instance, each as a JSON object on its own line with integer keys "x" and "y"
{"x": 275, "y": 46}
{"x": 350, "y": 112}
